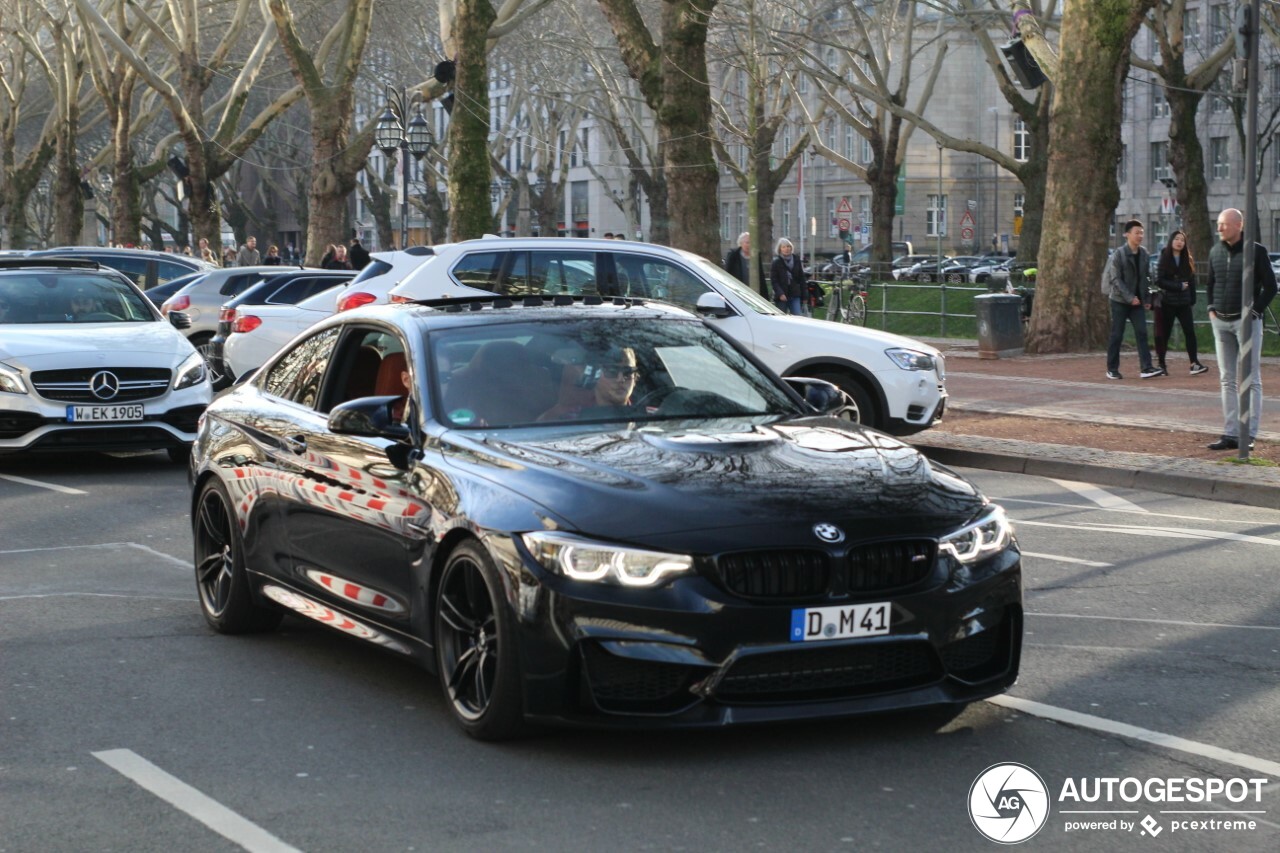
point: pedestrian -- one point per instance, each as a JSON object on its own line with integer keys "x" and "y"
{"x": 330, "y": 252}
{"x": 787, "y": 276}
{"x": 1176, "y": 280}
{"x": 736, "y": 263}
{"x": 292, "y": 254}
{"x": 1224, "y": 294}
{"x": 339, "y": 260}
{"x": 249, "y": 256}
{"x": 608, "y": 235}
{"x": 229, "y": 256}
{"x": 359, "y": 255}
{"x": 1126, "y": 279}
{"x": 207, "y": 255}
{"x": 273, "y": 258}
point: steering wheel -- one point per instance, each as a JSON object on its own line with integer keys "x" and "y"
{"x": 656, "y": 396}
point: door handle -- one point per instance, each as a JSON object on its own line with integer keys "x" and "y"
{"x": 295, "y": 444}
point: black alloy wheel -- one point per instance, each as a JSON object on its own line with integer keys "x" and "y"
{"x": 475, "y": 654}
{"x": 862, "y": 412}
{"x": 221, "y": 579}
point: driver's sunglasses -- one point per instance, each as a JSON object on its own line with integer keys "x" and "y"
{"x": 620, "y": 372}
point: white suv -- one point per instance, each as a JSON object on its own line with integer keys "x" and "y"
{"x": 896, "y": 382}
{"x": 384, "y": 271}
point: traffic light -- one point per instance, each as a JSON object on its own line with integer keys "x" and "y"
{"x": 1023, "y": 64}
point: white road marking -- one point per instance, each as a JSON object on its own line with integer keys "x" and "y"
{"x": 1101, "y": 497}
{"x": 95, "y": 595}
{"x": 152, "y": 551}
{"x": 208, "y": 811}
{"x": 1166, "y": 532}
{"x": 1092, "y": 563}
{"x": 1155, "y": 621}
{"x": 53, "y": 487}
{"x": 1139, "y": 510}
{"x": 1089, "y": 721}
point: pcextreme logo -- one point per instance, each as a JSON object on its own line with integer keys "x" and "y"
{"x": 1008, "y": 803}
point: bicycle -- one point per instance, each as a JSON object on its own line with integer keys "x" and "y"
{"x": 847, "y": 304}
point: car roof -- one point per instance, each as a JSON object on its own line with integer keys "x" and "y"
{"x": 185, "y": 260}
{"x": 486, "y": 310}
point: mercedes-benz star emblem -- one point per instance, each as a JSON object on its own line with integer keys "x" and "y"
{"x": 828, "y": 532}
{"x": 104, "y": 385}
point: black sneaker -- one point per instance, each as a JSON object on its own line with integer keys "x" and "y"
{"x": 1114, "y": 374}
{"x": 1198, "y": 368}
{"x": 1226, "y": 442}
{"x": 1150, "y": 373}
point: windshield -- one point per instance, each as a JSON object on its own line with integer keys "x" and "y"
{"x": 595, "y": 370}
{"x": 757, "y": 302}
{"x": 29, "y": 297}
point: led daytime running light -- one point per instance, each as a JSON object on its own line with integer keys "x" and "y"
{"x": 586, "y": 560}
{"x": 987, "y": 536}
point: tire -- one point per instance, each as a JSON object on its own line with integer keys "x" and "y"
{"x": 179, "y": 455}
{"x": 475, "y": 647}
{"x": 857, "y": 313}
{"x": 866, "y": 414}
{"x": 202, "y": 343}
{"x": 222, "y": 580}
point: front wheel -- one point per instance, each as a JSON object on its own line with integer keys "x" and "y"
{"x": 222, "y": 579}
{"x": 475, "y": 647}
{"x": 865, "y": 413}
{"x": 857, "y": 314}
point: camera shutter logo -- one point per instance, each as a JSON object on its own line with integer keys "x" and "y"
{"x": 104, "y": 385}
{"x": 1008, "y": 803}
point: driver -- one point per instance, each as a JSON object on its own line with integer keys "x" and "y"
{"x": 82, "y": 304}
{"x": 614, "y": 382}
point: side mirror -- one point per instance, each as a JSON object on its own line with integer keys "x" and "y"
{"x": 179, "y": 320}
{"x": 370, "y": 417}
{"x": 713, "y": 304}
{"x": 824, "y": 397}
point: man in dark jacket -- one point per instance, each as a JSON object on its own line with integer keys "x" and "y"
{"x": 1225, "y": 294}
{"x": 1126, "y": 280}
{"x": 737, "y": 263}
{"x": 359, "y": 256}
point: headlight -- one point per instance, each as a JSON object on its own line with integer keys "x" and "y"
{"x": 909, "y": 359}
{"x": 986, "y": 536}
{"x": 11, "y": 380}
{"x": 190, "y": 372}
{"x": 587, "y": 560}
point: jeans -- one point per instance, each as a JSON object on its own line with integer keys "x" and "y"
{"x": 1226, "y": 336}
{"x": 1120, "y": 314}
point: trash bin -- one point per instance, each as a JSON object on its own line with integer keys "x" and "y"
{"x": 999, "y": 325}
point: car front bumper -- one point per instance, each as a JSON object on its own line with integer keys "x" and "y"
{"x": 691, "y": 655}
{"x": 31, "y": 423}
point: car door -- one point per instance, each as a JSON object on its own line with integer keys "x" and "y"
{"x": 657, "y": 278}
{"x": 354, "y": 525}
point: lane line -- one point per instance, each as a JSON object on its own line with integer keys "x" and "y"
{"x": 1155, "y": 621}
{"x": 53, "y": 487}
{"x": 1089, "y": 721}
{"x": 94, "y": 595}
{"x": 1145, "y": 512}
{"x": 208, "y": 811}
{"x": 1101, "y": 497}
{"x": 184, "y": 563}
{"x": 1166, "y": 532}
{"x": 1056, "y": 558}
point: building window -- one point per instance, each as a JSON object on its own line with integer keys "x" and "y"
{"x": 726, "y": 227}
{"x": 1219, "y": 157}
{"x": 832, "y": 230}
{"x": 1160, "y": 226}
{"x": 786, "y": 217}
{"x": 560, "y": 151}
{"x": 1219, "y": 99}
{"x": 864, "y": 209}
{"x": 1219, "y": 22}
{"x": 866, "y": 150}
{"x": 1019, "y": 201}
{"x": 935, "y": 222}
{"x": 585, "y": 135}
{"x": 1159, "y": 103}
{"x": 1021, "y": 141}
{"x": 848, "y": 142}
{"x": 578, "y": 208}
{"x": 740, "y": 214}
{"x": 1159, "y": 161}
{"x": 1191, "y": 27}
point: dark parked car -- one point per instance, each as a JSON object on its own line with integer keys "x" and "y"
{"x": 288, "y": 287}
{"x": 143, "y": 266}
{"x": 606, "y": 514}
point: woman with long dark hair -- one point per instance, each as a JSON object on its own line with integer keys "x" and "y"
{"x": 1176, "y": 278}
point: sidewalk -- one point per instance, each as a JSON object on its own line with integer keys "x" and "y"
{"x": 1148, "y": 434}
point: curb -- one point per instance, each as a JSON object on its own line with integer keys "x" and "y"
{"x": 1196, "y": 478}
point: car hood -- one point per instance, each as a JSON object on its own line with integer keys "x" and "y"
{"x": 822, "y": 330}
{"x": 762, "y": 481}
{"x": 49, "y": 346}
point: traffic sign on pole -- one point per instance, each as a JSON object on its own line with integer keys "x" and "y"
{"x": 844, "y": 225}
{"x": 845, "y": 206}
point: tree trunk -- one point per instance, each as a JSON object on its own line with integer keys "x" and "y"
{"x": 68, "y": 212}
{"x": 1081, "y": 193}
{"x": 1186, "y": 156}
{"x": 469, "y": 213}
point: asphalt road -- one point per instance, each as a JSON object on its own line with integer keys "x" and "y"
{"x": 126, "y": 725}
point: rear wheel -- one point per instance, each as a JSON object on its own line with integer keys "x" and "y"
{"x": 857, "y": 313}
{"x": 221, "y": 577}
{"x": 866, "y": 412}
{"x": 204, "y": 346}
{"x": 475, "y": 647}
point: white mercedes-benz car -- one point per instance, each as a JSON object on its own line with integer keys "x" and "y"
{"x": 88, "y": 363}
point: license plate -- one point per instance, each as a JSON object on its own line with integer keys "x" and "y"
{"x": 813, "y": 624}
{"x": 103, "y": 414}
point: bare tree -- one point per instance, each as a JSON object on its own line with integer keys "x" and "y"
{"x": 20, "y": 174}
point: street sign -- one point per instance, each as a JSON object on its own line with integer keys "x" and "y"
{"x": 1017, "y": 226}
{"x": 844, "y": 206}
{"x": 966, "y": 219}
{"x": 973, "y": 204}
{"x": 844, "y": 225}
{"x": 966, "y": 234}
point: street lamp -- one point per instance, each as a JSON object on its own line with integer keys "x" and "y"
{"x": 391, "y": 136}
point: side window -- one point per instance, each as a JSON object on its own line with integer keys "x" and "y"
{"x": 369, "y": 363}
{"x": 237, "y": 284}
{"x": 168, "y": 270}
{"x": 572, "y": 273}
{"x": 134, "y": 268}
{"x": 298, "y": 289}
{"x": 658, "y": 279}
{"x": 481, "y": 270}
{"x": 297, "y": 376}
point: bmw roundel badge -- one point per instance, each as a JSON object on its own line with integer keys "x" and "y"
{"x": 828, "y": 533}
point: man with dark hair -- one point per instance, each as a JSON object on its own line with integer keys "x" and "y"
{"x": 1126, "y": 280}
{"x": 608, "y": 235}
{"x": 359, "y": 255}
{"x": 1225, "y": 296}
